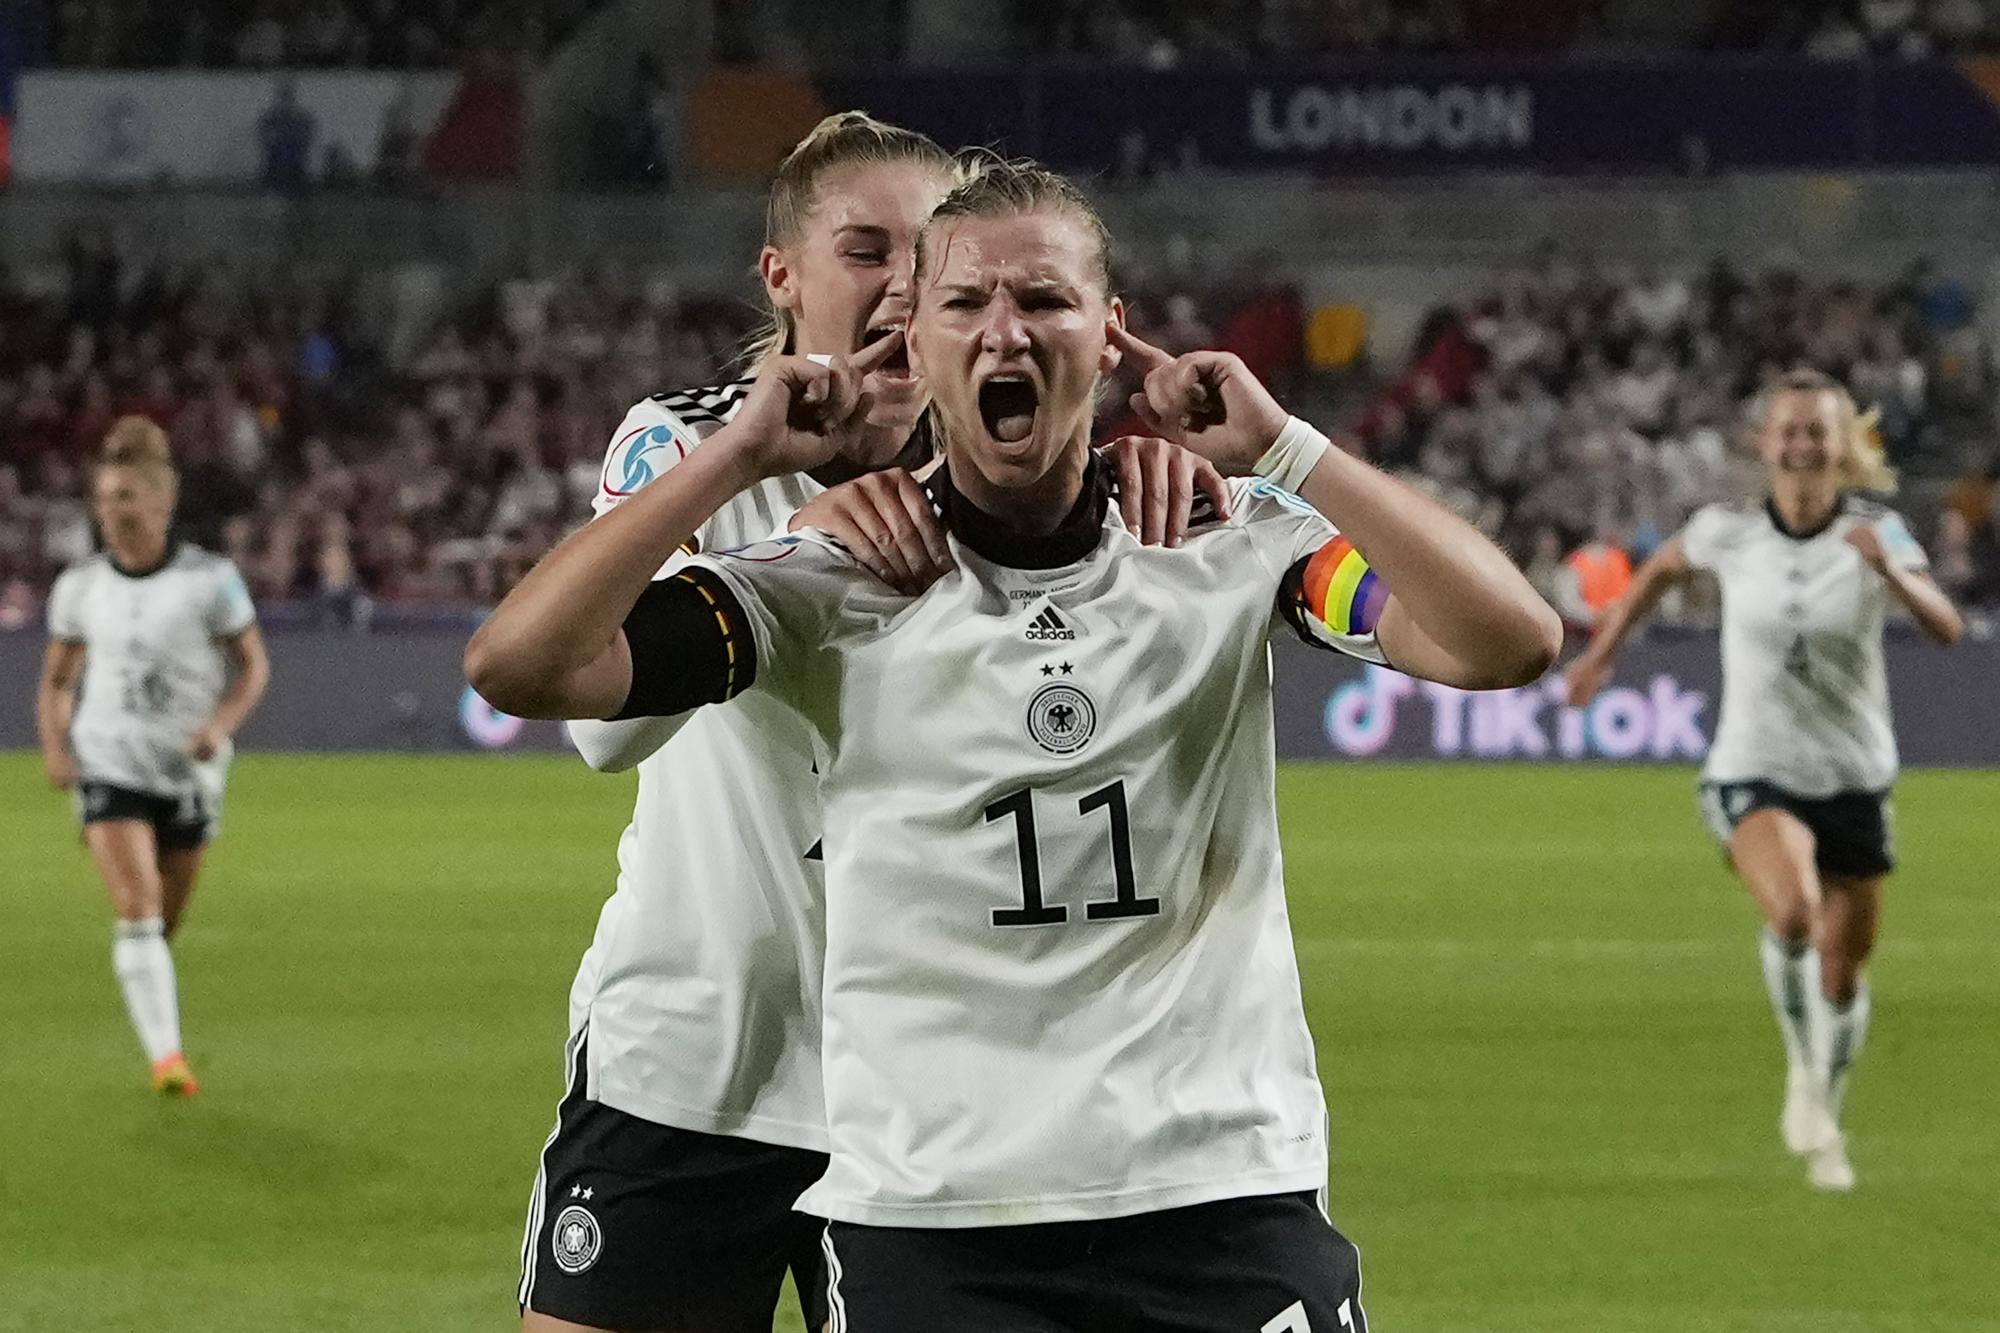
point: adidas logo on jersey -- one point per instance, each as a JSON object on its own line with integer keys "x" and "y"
{"x": 1048, "y": 627}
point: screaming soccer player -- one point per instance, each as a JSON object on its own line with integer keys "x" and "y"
{"x": 693, "y": 1116}
{"x": 1069, "y": 1082}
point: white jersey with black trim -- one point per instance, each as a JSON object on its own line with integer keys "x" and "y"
{"x": 701, "y": 988}
{"x": 154, "y": 668}
{"x": 1060, "y": 981}
{"x": 1805, "y": 696}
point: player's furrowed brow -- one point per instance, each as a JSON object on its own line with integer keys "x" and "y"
{"x": 863, "y": 231}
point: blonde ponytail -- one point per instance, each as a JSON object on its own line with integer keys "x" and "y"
{"x": 1863, "y": 467}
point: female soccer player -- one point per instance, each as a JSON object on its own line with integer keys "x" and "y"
{"x": 1796, "y": 786}
{"x": 1068, "y": 1079}
{"x": 163, "y": 640}
{"x": 694, "y": 1117}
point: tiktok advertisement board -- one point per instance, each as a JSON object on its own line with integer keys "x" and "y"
{"x": 1661, "y": 707}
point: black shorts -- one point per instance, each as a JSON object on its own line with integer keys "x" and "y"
{"x": 1853, "y": 831}
{"x": 639, "y": 1225}
{"x": 1268, "y": 1264}
{"x": 179, "y": 824}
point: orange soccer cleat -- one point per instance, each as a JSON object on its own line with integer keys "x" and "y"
{"x": 172, "y": 1077}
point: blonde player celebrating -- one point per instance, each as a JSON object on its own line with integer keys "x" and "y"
{"x": 694, "y": 1118}
{"x": 163, "y": 641}
{"x": 1796, "y": 786}
{"x": 1069, "y": 1083}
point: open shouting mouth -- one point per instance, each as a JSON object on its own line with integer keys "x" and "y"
{"x": 898, "y": 364}
{"x": 1007, "y": 406}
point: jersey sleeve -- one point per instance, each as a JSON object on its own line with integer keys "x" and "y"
{"x": 1703, "y": 537}
{"x": 690, "y": 643}
{"x": 66, "y": 607}
{"x": 230, "y": 610}
{"x": 792, "y": 590}
{"x": 1325, "y": 590}
{"x": 649, "y": 442}
{"x": 727, "y": 621}
{"x": 1899, "y": 544}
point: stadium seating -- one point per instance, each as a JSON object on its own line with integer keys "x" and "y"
{"x": 395, "y": 34}
{"x": 350, "y": 451}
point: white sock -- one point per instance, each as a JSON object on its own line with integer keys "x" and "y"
{"x": 1838, "y": 1032}
{"x": 1791, "y": 971}
{"x": 146, "y": 974}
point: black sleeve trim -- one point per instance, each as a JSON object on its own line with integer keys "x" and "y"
{"x": 691, "y": 644}
{"x": 1292, "y": 603}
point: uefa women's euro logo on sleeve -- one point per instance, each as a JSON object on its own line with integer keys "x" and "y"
{"x": 638, "y": 457}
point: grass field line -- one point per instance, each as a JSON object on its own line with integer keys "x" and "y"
{"x": 1585, "y": 948}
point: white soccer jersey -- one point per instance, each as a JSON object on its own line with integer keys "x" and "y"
{"x": 1059, "y": 976}
{"x": 153, "y": 668}
{"x": 1805, "y": 698}
{"x": 701, "y": 988}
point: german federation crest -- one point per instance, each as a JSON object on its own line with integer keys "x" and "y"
{"x": 1061, "y": 718}
{"x": 576, "y": 1239}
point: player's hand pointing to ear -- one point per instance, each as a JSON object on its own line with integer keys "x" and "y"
{"x": 1207, "y": 401}
{"x": 799, "y": 413}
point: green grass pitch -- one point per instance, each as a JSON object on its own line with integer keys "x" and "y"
{"x": 1553, "y": 1077}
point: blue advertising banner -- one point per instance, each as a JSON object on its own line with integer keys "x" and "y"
{"x": 1495, "y": 115}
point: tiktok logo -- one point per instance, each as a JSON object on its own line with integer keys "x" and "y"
{"x": 484, "y": 724}
{"x": 1662, "y": 722}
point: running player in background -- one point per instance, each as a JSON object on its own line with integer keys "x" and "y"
{"x": 694, "y": 1117}
{"x": 1068, "y": 1077}
{"x": 163, "y": 641}
{"x": 1796, "y": 786}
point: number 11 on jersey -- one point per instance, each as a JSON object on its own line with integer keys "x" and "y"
{"x": 1020, "y": 806}
{"x": 1292, "y": 1319}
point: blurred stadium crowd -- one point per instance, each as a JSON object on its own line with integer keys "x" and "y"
{"x": 1205, "y": 32}
{"x": 1570, "y": 406}
{"x": 1165, "y": 34}
{"x": 336, "y": 437}
{"x": 295, "y": 34}
{"x": 355, "y": 446}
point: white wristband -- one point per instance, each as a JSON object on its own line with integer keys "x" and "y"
{"x": 1293, "y": 455}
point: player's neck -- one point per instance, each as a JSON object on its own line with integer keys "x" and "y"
{"x": 1034, "y": 510}
{"x": 1804, "y": 508}
{"x": 1003, "y": 540}
{"x": 138, "y": 555}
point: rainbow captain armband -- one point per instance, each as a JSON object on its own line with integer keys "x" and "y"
{"x": 1332, "y": 598}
